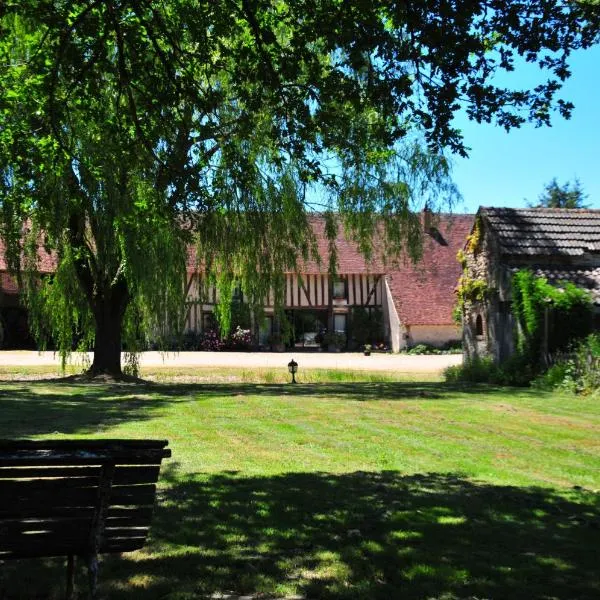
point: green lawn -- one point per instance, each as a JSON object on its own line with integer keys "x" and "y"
{"x": 352, "y": 486}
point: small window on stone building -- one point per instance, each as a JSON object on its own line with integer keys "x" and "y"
{"x": 479, "y": 326}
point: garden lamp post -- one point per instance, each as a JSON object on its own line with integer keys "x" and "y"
{"x": 293, "y": 369}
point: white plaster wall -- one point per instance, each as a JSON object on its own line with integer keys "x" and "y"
{"x": 392, "y": 321}
{"x": 436, "y": 335}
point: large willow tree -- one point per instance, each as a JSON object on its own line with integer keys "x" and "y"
{"x": 131, "y": 128}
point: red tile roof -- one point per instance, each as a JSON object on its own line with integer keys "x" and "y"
{"x": 7, "y": 284}
{"x": 423, "y": 294}
{"x": 350, "y": 259}
{"x": 46, "y": 261}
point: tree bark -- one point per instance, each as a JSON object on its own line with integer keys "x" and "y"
{"x": 109, "y": 309}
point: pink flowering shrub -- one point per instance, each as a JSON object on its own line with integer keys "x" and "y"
{"x": 211, "y": 341}
{"x": 240, "y": 339}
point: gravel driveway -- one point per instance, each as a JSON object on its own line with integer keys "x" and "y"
{"x": 321, "y": 360}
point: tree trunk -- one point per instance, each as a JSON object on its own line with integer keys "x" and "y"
{"x": 109, "y": 310}
{"x": 107, "y": 297}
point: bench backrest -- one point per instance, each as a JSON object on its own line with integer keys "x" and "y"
{"x": 76, "y": 496}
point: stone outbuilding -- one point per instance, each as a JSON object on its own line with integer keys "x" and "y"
{"x": 558, "y": 244}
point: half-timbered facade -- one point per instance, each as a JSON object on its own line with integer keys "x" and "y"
{"x": 329, "y": 300}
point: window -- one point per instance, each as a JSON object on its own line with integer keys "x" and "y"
{"x": 479, "y": 326}
{"x": 339, "y": 323}
{"x": 339, "y": 288}
{"x": 237, "y": 295}
{"x": 208, "y": 321}
{"x": 265, "y": 331}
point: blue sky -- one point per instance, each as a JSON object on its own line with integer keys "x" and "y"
{"x": 510, "y": 169}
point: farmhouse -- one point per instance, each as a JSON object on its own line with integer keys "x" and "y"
{"x": 562, "y": 245}
{"x": 397, "y": 304}
{"x": 401, "y": 304}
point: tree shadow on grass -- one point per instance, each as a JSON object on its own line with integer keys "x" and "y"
{"x": 45, "y": 408}
{"x": 41, "y": 408}
{"x": 357, "y": 536}
{"x": 358, "y": 391}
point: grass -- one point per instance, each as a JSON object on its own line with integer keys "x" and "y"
{"x": 224, "y": 375}
{"x": 349, "y": 486}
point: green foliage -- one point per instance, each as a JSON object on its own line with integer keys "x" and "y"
{"x": 366, "y": 326}
{"x": 570, "y": 195}
{"x": 577, "y": 371}
{"x": 516, "y": 371}
{"x": 360, "y": 324}
{"x": 129, "y": 130}
{"x": 452, "y": 347}
{"x": 586, "y": 365}
{"x": 335, "y": 339}
{"x": 474, "y": 290}
{"x": 476, "y": 371}
{"x": 423, "y": 349}
{"x": 457, "y": 312}
{"x": 569, "y": 314}
{"x": 557, "y": 377}
{"x": 468, "y": 290}
{"x": 231, "y": 312}
{"x": 473, "y": 239}
{"x": 58, "y": 312}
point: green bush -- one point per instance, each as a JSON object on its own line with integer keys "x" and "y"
{"x": 577, "y": 371}
{"x": 423, "y": 349}
{"x": 556, "y": 377}
{"x": 515, "y": 372}
{"x": 481, "y": 370}
{"x": 336, "y": 339}
{"x": 452, "y": 347}
{"x": 366, "y": 326}
{"x": 584, "y": 365}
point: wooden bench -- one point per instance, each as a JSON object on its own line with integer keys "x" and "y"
{"x": 77, "y": 498}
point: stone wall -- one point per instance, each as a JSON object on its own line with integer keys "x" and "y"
{"x": 477, "y": 289}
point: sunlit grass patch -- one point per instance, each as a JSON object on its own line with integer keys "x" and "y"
{"x": 276, "y": 375}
